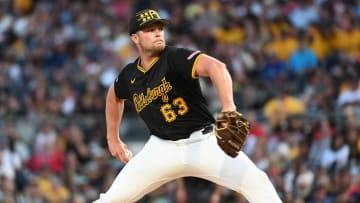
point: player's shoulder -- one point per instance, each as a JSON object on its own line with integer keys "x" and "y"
{"x": 181, "y": 51}
{"x": 175, "y": 49}
{"x": 169, "y": 50}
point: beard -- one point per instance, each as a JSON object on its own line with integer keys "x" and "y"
{"x": 157, "y": 49}
{"x": 154, "y": 49}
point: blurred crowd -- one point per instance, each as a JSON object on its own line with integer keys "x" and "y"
{"x": 295, "y": 66}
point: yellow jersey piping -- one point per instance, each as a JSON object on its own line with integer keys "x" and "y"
{"x": 193, "y": 71}
{"x": 149, "y": 67}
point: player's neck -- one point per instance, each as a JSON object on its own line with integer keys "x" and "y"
{"x": 147, "y": 61}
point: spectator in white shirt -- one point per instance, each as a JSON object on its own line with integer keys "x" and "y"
{"x": 350, "y": 96}
{"x": 336, "y": 155}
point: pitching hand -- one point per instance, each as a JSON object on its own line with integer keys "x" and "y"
{"x": 119, "y": 150}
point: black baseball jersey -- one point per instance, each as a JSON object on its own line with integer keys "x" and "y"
{"x": 167, "y": 96}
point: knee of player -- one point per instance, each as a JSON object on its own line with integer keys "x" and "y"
{"x": 260, "y": 176}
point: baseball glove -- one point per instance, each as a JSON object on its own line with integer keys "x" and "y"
{"x": 231, "y": 130}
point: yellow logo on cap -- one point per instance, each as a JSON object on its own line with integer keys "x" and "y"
{"x": 147, "y": 15}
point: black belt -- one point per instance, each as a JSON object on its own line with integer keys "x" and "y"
{"x": 207, "y": 129}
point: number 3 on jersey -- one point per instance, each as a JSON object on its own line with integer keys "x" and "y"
{"x": 168, "y": 111}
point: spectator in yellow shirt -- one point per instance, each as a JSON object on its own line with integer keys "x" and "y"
{"x": 229, "y": 33}
{"x": 279, "y": 108}
{"x": 283, "y": 46}
{"x": 347, "y": 37}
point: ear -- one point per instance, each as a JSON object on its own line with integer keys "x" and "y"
{"x": 134, "y": 38}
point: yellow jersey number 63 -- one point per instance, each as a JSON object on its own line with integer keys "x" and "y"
{"x": 168, "y": 111}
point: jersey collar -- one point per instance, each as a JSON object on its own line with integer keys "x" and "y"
{"x": 144, "y": 70}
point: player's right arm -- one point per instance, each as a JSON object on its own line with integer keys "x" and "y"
{"x": 114, "y": 109}
{"x": 208, "y": 66}
{"x": 181, "y": 196}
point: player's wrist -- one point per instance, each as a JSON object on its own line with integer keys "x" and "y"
{"x": 228, "y": 109}
{"x": 111, "y": 138}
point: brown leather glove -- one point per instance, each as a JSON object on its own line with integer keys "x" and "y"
{"x": 231, "y": 130}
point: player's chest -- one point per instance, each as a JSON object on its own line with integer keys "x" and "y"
{"x": 156, "y": 80}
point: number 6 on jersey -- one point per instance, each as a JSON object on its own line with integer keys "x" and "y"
{"x": 168, "y": 111}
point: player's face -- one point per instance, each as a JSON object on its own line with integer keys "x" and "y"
{"x": 151, "y": 39}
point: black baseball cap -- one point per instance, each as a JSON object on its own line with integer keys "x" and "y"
{"x": 145, "y": 18}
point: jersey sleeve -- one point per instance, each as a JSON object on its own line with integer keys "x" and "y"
{"x": 185, "y": 61}
{"x": 121, "y": 90}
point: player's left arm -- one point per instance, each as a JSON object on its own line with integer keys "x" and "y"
{"x": 208, "y": 66}
{"x": 114, "y": 109}
{"x": 216, "y": 195}
{"x": 181, "y": 195}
